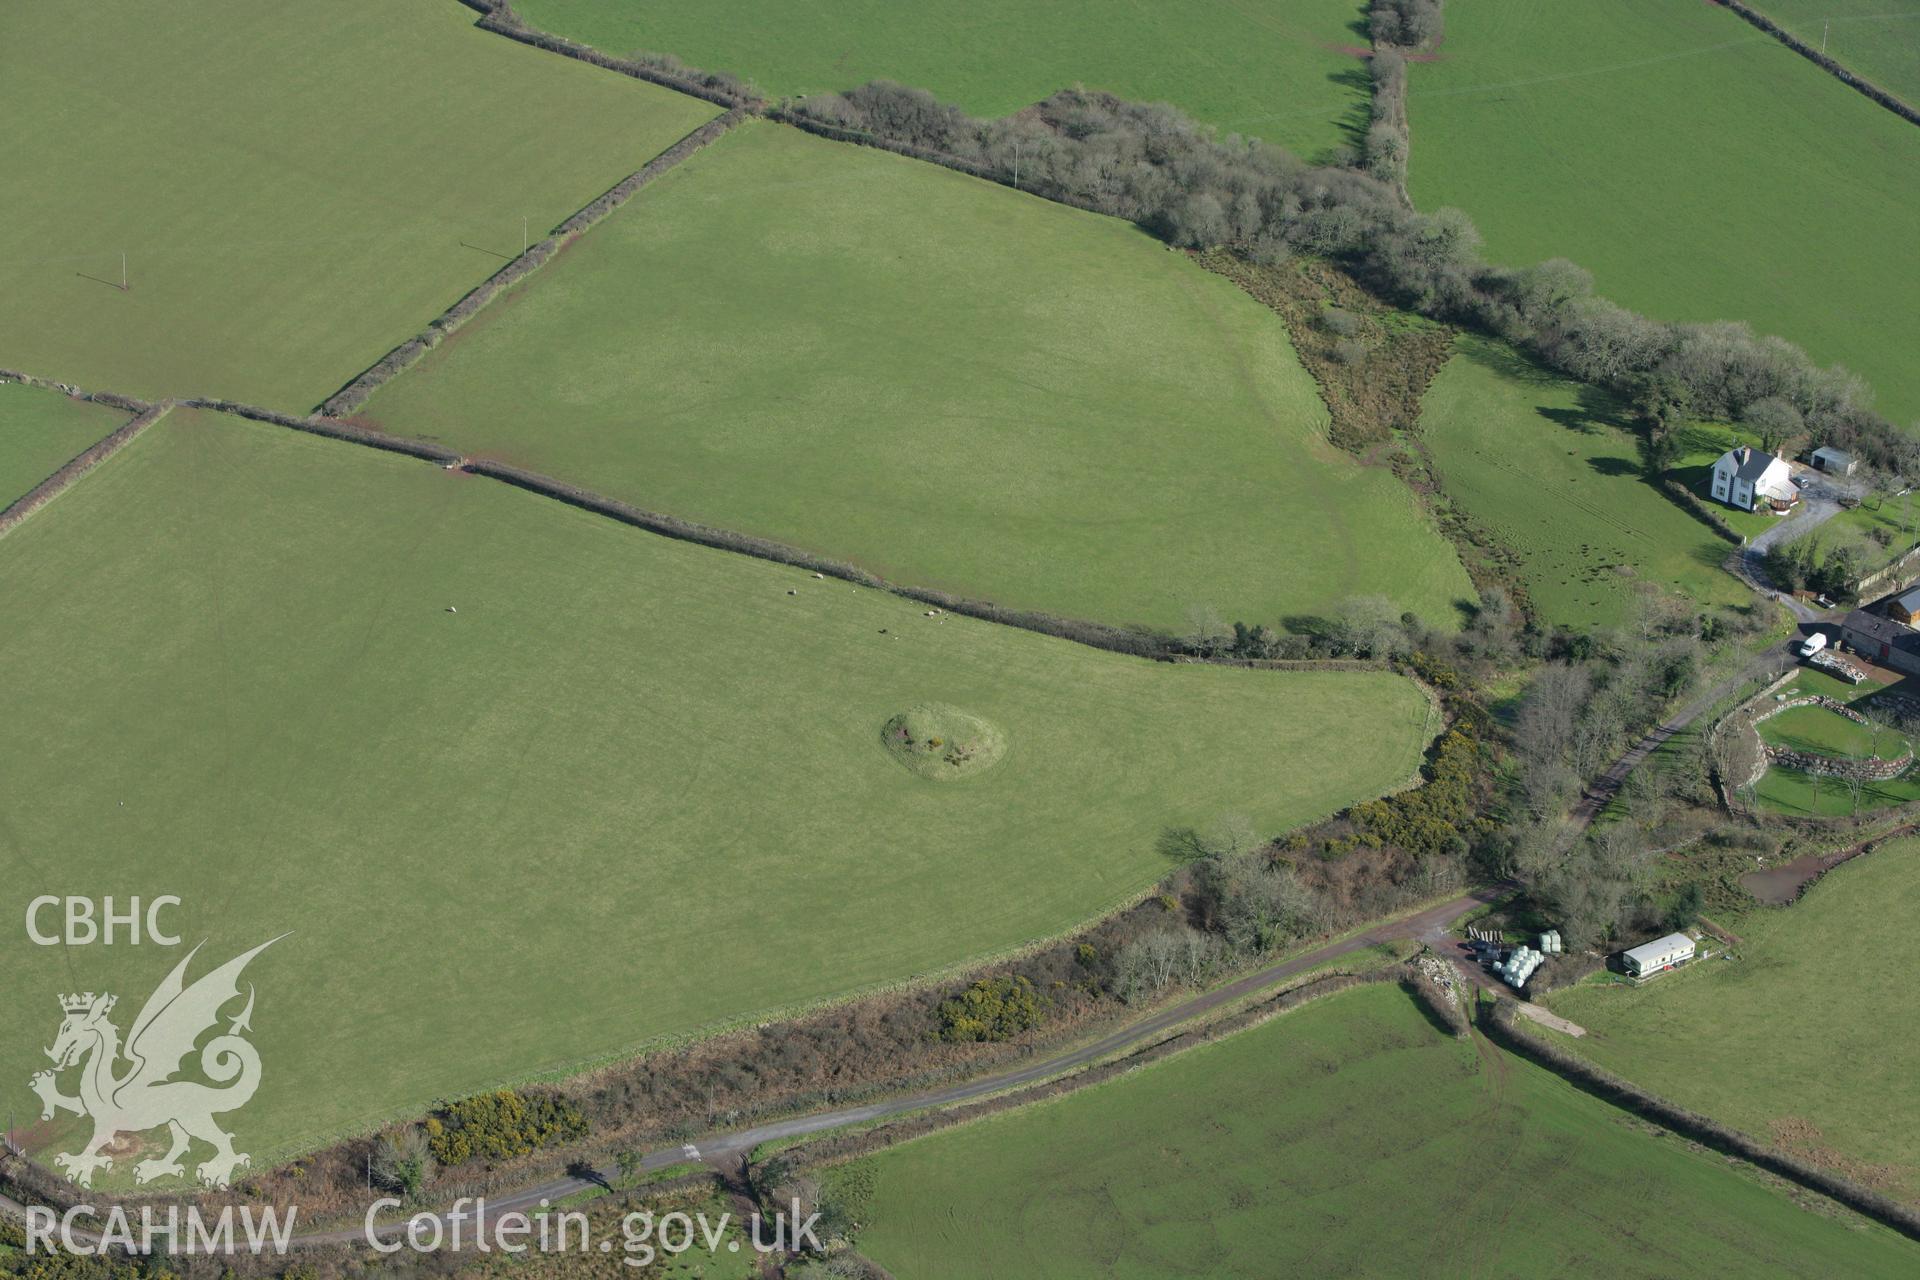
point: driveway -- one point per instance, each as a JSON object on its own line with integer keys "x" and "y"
{"x": 1819, "y": 503}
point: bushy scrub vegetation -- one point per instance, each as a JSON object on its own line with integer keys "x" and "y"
{"x": 1360, "y": 1109}
{"x": 501, "y": 1125}
{"x": 1838, "y": 1090}
{"x": 1289, "y": 73}
{"x": 1649, "y": 128}
{"x": 950, "y": 384}
{"x": 318, "y": 189}
{"x": 40, "y": 431}
{"x": 560, "y": 731}
{"x": 992, "y": 1009}
{"x": 1557, "y": 471}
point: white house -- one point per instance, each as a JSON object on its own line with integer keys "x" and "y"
{"x": 1745, "y": 478}
{"x": 1660, "y": 954}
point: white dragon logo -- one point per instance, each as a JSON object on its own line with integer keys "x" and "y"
{"x": 145, "y": 1096}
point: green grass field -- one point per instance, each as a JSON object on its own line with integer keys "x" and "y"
{"x": 41, "y": 431}
{"x": 1550, "y": 466}
{"x": 630, "y": 788}
{"x": 1817, "y": 730}
{"x": 1791, "y": 792}
{"x": 1351, "y": 1139}
{"x": 1807, "y": 1036}
{"x": 323, "y": 182}
{"x": 1878, "y": 39}
{"x": 1699, "y": 168}
{"x": 1897, "y": 520}
{"x": 1283, "y": 72}
{"x": 951, "y": 383}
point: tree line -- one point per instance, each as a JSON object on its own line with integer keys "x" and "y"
{"x": 1151, "y": 164}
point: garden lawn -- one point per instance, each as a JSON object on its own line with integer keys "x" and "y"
{"x": 1792, "y": 792}
{"x": 630, "y": 789}
{"x": 1819, "y": 731}
{"x": 1700, "y": 445}
{"x": 1348, "y": 1138}
{"x": 1877, "y": 39}
{"x": 1289, "y": 73}
{"x": 41, "y": 431}
{"x": 1805, "y": 1040}
{"x": 1699, "y": 168}
{"x": 1861, "y": 529}
{"x": 1551, "y": 468}
{"x": 953, "y": 384}
{"x": 297, "y": 188}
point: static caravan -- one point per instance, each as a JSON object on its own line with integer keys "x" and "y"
{"x": 1661, "y": 953}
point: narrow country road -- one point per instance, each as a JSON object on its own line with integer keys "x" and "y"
{"x": 1429, "y": 926}
{"x": 1774, "y": 660}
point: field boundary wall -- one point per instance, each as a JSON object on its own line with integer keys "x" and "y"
{"x": 349, "y": 398}
{"x": 63, "y": 479}
{"x": 1501, "y": 1025}
{"x": 1852, "y": 79}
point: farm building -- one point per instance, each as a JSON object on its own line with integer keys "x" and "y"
{"x": 1882, "y": 640}
{"x": 1837, "y": 461}
{"x": 1905, "y": 607}
{"x": 1661, "y": 953}
{"x": 1746, "y": 478}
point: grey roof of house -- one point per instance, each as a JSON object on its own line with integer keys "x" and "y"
{"x": 1755, "y": 466}
{"x": 1832, "y": 454}
{"x": 1910, "y": 601}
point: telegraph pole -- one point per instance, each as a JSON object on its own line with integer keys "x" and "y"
{"x": 1825, "y": 26}
{"x": 523, "y": 235}
{"x": 123, "y": 271}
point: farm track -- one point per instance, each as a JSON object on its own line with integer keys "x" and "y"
{"x": 1601, "y": 791}
{"x": 726, "y": 1150}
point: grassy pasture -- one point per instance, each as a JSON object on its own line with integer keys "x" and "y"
{"x": 1551, "y": 467}
{"x": 1699, "y": 168}
{"x": 630, "y": 788}
{"x": 1348, "y": 1138}
{"x": 41, "y": 431}
{"x": 951, "y": 383}
{"x": 1287, "y": 72}
{"x": 1878, "y": 39}
{"x": 1838, "y": 1084}
{"x": 326, "y": 180}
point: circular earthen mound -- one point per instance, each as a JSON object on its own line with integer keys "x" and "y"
{"x": 943, "y": 743}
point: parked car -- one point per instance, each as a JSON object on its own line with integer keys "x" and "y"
{"x": 1813, "y": 644}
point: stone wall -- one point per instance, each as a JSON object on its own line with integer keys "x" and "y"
{"x": 1872, "y": 769}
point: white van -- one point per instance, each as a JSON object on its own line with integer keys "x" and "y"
{"x": 1813, "y": 644}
